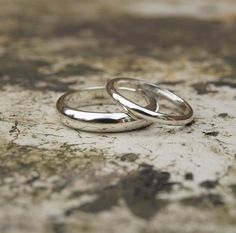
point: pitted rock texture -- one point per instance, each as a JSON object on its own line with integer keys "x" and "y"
{"x": 160, "y": 179}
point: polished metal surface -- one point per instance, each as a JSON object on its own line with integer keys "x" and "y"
{"x": 185, "y": 111}
{"x": 69, "y": 107}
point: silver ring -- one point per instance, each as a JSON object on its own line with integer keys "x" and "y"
{"x": 185, "y": 110}
{"x": 68, "y": 106}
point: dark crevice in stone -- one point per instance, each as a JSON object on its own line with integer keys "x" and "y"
{"x": 58, "y": 227}
{"x": 211, "y": 133}
{"x": 203, "y": 200}
{"x": 129, "y": 157}
{"x": 233, "y": 188}
{"x": 223, "y": 115}
{"x": 221, "y": 83}
{"x": 188, "y": 176}
{"x": 26, "y": 73}
{"x": 171, "y": 83}
{"x": 139, "y": 190}
{"x": 190, "y": 123}
{"x": 78, "y": 69}
{"x": 208, "y": 184}
{"x": 202, "y": 88}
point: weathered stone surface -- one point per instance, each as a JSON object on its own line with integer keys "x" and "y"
{"x": 159, "y": 179}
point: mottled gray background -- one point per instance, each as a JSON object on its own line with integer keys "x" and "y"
{"x": 161, "y": 179}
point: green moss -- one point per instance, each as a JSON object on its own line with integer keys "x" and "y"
{"x": 42, "y": 172}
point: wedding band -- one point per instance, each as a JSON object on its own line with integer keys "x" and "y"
{"x": 186, "y": 111}
{"x": 69, "y": 107}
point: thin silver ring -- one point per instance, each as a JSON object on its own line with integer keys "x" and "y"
{"x": 68, "y": 106}
{"x": 185, "y": 110}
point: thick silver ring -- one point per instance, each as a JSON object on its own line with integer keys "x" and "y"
{"x": 185, "y": 110}
{"x": 68, "y": 106}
